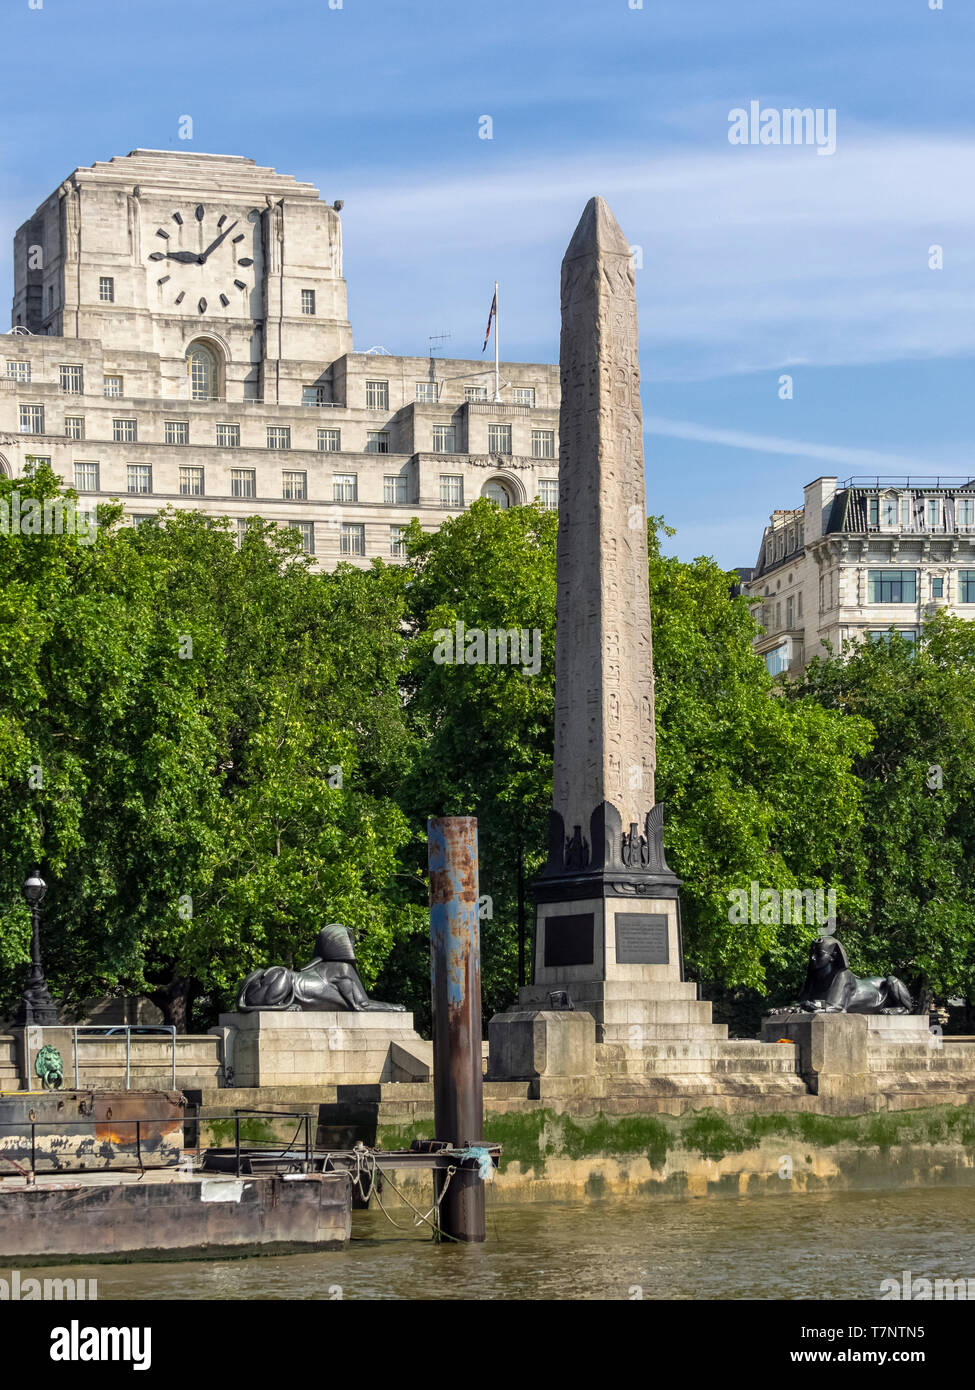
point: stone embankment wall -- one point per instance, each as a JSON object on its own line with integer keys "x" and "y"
{"x": 550, "y": 1157}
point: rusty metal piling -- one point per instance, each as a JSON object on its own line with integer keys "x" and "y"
{"x": 455, "y": 980}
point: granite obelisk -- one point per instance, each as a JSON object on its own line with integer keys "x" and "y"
{"x": 607, "y": 905}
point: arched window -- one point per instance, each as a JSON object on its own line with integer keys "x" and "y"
{"x": 201, "y": 365}
{"x": 497, "y": 492}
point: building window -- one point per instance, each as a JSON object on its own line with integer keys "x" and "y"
{"x": 475, "y": 393}
{"x": 201, "y": 365}
{"x": 279, "y": 436}
{"x": 106, "y": 289}
{"x": 966, "y": 586}
{"x": 395, "y": 488}
{"x": 451, "y": 490}
{"x": 243, "y": 527}
{"x": 548, "y": 492}
{"x": 377, "y": 395}
{"x": 177, "y": 432}
{"x": 790, "y": 612}
{"x": 937, "y": 588}
{"x": 892, "y": 586}
{"x": 426, "y": 391}
{"x": 191, "y": 482}
{"x": 497, "y": 492}
{"x": 18, "y": 371}
{"x": 397, "y": 542}
{"x": 352, "y": 538}
{"x": 799, "y": 605}
{"x": 444, "y": 439}
{"x": 140, "y": 477}
{"x": 934, "y": 511}
{"x": 524, "y": 395}
{"x": 228, "y": 436}
{"x": 965, "y": 511}
{"x": 307, "y": 301}
{"x": 873, "y": 511}
{"x": 32, "y": 419}
{"x": 543, "y": 444}
{"x": 907, "y": 513}
{"x": 317, "y": 395}
{"x": 499, "y": 439}
{"x": 72, "y": 380}
{"x": 909, "y": 634}
{"x": 243, "y": 482}
{"x": 377, "y": 441}
{"x": 112, "y": 386}
{"x": 86, "y": 477}
{"x": 777, "y": 661}
{"x": 329, "y": 441}
{"x": 124, "y": 431}
{"x": 345, "y": 487}
{"x": 74, "y": 427}
{"x": 306, "y": 530}
{"x": 294, "y": 486}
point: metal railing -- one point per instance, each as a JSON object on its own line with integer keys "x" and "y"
{"x": 907, "y": 480}
{"x": 105, "y": 1030}
{"x": 242, "y": 1150}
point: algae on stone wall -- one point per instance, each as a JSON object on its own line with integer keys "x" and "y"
{"x": 529, "y": 1139}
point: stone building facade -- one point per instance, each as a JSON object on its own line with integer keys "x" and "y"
{"x": 181, "y": 338}
{"x": 859, "y": 558}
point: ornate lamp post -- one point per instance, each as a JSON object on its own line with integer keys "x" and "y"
{"x": 36, "y": 1004}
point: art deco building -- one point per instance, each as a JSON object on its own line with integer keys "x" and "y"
{"x": 860, "y": 558}
{"x": 181, "y": 337}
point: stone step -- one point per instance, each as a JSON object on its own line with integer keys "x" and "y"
{"x": 636, "y": 1065}
{"x": 671, "y": 1032}
{"x": 651, "y": 1011}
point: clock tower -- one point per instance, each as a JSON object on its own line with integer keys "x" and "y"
{"x": 178, "y": 255}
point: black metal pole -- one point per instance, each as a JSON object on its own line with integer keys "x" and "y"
{"x": 455, "y": 977}
{"x": 36, "y": 1004}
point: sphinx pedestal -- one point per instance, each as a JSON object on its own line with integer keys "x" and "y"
{"x": 312, "y": 1048}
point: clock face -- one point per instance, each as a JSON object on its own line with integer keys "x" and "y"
{"x": 204, "y": 259}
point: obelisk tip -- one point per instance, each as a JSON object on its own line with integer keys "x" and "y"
{"x": 598, "y": 232}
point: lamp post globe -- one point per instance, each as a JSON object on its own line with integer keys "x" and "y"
{"x": 36, "y": 1005}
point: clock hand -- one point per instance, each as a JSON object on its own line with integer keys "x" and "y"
{"x": 184, "y": 257}
{"x": 215, "y": 244}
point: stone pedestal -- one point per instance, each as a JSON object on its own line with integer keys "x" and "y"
{"x": 831, "y": 1057}
{"x": 532, "y": 1043}
{"x": 266, "y": 1048}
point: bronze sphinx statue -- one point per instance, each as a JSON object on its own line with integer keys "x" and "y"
{"x": 329, "y": 981}
{"x": 832, "y": 988}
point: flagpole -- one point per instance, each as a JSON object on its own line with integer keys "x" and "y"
{"x": 497, "y": 342}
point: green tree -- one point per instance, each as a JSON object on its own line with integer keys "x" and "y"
{"x": 915, "y": 859}
{"x": 484, "y": 732}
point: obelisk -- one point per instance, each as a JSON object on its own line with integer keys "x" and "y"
{"x": 607, "y": 905}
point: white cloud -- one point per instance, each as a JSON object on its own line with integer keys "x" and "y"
{"x": 837, "y": 454}
{"x": 752, "y": 257}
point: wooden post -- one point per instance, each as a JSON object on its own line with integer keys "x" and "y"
{"x": 455, "y": 979}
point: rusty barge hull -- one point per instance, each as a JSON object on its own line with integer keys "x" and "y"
{"x": 165, "y": 1215}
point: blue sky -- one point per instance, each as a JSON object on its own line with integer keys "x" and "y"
{"x": 756, "y": 260}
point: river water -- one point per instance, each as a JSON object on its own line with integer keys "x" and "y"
{"x": 823, "y": 1246}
